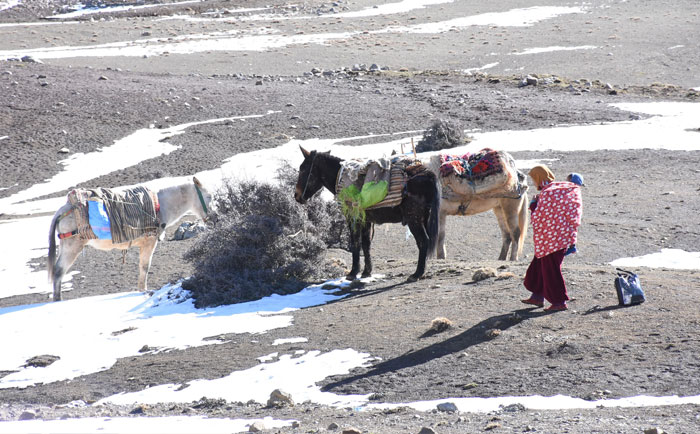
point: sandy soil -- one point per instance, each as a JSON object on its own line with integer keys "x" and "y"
{"x": 634, "y": 202}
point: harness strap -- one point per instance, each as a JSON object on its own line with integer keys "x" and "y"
{"x": 303, "y": 193}
{"x": 68, "y": 234}
{"x": 201, "y": 199}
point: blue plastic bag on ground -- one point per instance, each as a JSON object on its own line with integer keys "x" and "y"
{"x": 629, "y": 290}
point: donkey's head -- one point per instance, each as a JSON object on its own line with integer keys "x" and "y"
{"x": 309, "y": 181}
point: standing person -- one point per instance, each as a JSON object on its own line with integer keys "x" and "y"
{"x": 556, "y": 215}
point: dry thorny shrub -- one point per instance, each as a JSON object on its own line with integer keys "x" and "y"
{"x": 442, "y": 134}
{"x": 264, "y": 243}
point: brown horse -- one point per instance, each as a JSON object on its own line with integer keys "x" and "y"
{"x": 174, "y": 202}
{"x": 419, "y": 209}
{"x": 510, "y": 209}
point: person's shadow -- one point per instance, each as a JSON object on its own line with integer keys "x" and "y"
{"x": 475, "y": 335}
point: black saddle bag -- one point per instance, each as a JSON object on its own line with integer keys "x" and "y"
{"x": 629, "y": 290}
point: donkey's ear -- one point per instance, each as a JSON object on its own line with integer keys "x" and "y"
{"x": 305, "y": 152}
{"x": 196, "y": 182}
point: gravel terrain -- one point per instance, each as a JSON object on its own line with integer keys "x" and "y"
{"x": 635, "y": 202}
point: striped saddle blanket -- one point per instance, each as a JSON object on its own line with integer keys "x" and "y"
{"x": 369, "y": 184}
{"x": 122, "y": 216}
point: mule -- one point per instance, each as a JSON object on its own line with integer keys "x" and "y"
{"x": 174, "y": 202}
{"x": 419, "y": 209}
{"x": 510, "y": 211}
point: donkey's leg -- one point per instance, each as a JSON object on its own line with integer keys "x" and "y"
{"x": 511, "y": 210}
{"x": 355, "y": 244}
{"x": 69, "y": 250}
{"x": 367, "y": 232}
{"x": 441, "y": 250}
{"x": 417, "y": 227}
{"x": 505, "y": 232}
{"x": 148, "y": 246}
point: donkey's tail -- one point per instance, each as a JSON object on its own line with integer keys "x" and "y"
{"x": 434, "y": 217}
{"x": 522, "y": 223}
{"x": 52, "y": 239}
{"x": 52, "y": 245}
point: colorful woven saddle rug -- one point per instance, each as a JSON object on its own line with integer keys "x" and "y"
{"x": 118, "y": 216}
{"x": 488, "y": 173}
{"x": 472, "y": 166}
{"x": 369, "y": 184}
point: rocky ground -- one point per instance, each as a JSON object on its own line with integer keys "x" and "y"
{"x": 635, "y": 202}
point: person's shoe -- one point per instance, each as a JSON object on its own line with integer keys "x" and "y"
{"x": 556, "y": 308}
{"x": 533, "y": 301}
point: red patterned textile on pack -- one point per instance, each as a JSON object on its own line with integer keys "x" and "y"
{"x": 556, "y": 218}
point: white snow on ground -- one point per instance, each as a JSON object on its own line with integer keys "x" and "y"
{"x": 122, "y": 324}
{"x": 295, "y": 375}
{"x": 142, "y": 145}
{"x": 127, "y": 322}
{"x": 539, "y": 50}
{"x": 7, "y": 4}
{"x": 666, "y": 258}
{"x": 236, "y": 41}
{"x": 82, "y": 10}
{"x": 289, "y": 341}
{"x": 513, "y": 18}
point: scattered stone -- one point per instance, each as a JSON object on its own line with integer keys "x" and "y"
{"x": 30, "y": 59}
{"x": 140, "y": 409}
{"x": 40, "y": 361}
{"x": 64, "y": 151}
{"x": 333, "y": 426}
{"x": 447, "y": 407}
{"x": 493, "y": 333}
{"x": 440, "y": 324}
{"x": 483, "y": 274}
{"x": 654, "y": 431}
{"x": 513, "y": 408}
{"x": 27, "y": 415}
{"x": 426, "y": 430}
{"x": 492, "y": 425}
{"x": 505, "y": 276}
{"x": 352, "y": 430}
{"x": 189, "y": 230}
{"x": 279, "y": 398}
{"x": 531, "y": 80}
{"x": 103, "y": 78}
{"x": 256, "y": 427}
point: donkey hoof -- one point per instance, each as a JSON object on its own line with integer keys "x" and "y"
{"x": 351, "y": 277}
{"x": 366, "y": 274}
{"x": 413, "y": 278}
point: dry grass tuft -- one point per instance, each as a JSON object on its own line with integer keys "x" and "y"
{"x": 440, "y": 324}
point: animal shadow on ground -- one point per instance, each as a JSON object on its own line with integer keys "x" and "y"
{"x": 475, "y": 335}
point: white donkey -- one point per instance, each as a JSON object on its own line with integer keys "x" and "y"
{"x": 173, "y": 202}
{"x": 508, "y": 201}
